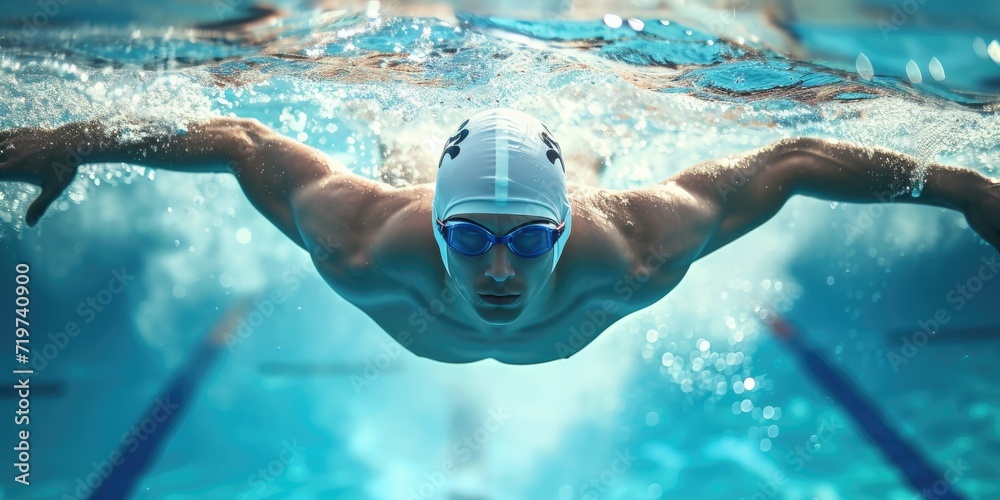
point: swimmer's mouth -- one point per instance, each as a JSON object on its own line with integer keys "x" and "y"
{"x": 500, "y": 300}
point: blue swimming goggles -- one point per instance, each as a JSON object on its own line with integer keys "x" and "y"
{"x": 530, "y": 240}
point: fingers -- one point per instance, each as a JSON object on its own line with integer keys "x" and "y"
{"x": 49, "y": 194}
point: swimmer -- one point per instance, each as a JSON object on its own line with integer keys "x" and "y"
{"x": 500, "y": 257}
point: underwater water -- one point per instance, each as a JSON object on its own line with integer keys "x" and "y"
{"x": 689, "y": 398}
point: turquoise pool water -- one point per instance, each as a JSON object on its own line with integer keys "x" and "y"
{"x": 690, "y": 398}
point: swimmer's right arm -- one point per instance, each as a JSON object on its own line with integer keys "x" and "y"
{"x": 278, "y": 174}
{"x": 720, "y": 200}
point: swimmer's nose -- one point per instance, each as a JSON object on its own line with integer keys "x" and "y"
{"x": 500, "y": 268}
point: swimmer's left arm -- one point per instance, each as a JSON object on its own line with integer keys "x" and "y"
{"x": 720, "y": 200}
{"x": 284, "y": 179}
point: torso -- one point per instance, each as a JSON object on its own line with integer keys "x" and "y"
{"x": 410, "y": 296}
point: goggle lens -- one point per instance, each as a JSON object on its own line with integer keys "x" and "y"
{"x": 531, "y": 241}
{"x": 472, "y": 240}
{"x": 469, "y": 239}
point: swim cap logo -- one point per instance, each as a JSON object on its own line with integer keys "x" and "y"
{"x": 555, "y": 152}
{"x": 451, "y": 147}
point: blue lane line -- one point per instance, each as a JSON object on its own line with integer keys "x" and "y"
{"x": 918, "y": 471}
{"x": 166, "y": 410}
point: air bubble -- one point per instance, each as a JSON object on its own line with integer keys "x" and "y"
{"x": 936, "y": 69}
{"x": 994, "y": 51}
{"x": 864, "y": 67}
{"x": 652, "y": 418}
{"x": 913, "y": 72}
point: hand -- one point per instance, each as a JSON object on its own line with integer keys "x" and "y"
{"x": 983, "y": 213}
{"x": 35, "y": 155}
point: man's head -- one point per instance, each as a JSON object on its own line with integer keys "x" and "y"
{"x": 501, "y": 173}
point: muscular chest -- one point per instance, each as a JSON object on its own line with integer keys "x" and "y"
{"x": 429, "y": 318}
{"x": 435, "y": 327}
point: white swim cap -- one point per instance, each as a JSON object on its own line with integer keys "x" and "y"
{"x": 502, "y": 161}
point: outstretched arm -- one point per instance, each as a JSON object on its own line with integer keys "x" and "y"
{"x": 275, "y": 172}
{"x": 718, "y": 201}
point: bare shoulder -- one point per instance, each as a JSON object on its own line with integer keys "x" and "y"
{"x": 604, "y": 242}
{"x": 595, "y": 241}
{"x": 345, "y": 222}
{"x": 631, "y": 233}
{"x": 404, "y": 242}
{"x": 675, "y": 220}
